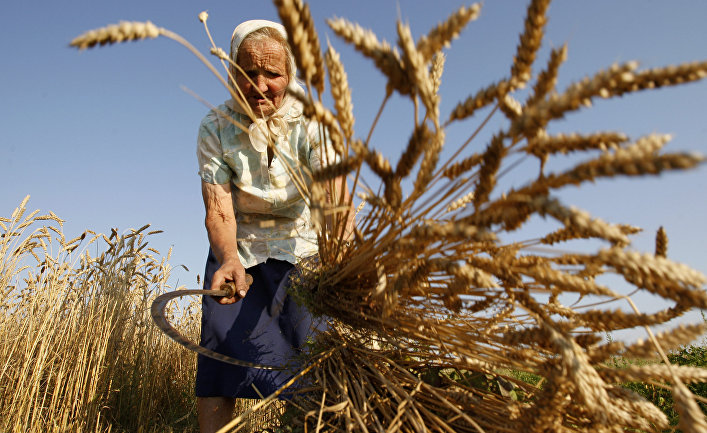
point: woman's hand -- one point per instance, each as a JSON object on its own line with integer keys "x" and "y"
{"x": 234, "y": 271}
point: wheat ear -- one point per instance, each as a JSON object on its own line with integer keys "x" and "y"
{"x": 636, "y": 373}
{"x": 661, "y": 243}
{"x": 315, "y": 48}
{"x": 577, "y": 95}
{"x": 421, "y": 138}
{"x": 659, "y": 77}
{"x": 610, "y": 165}
{"x": 529, "y": 42}
{"x": 429, "y": 162}
{"x": 134, "y": 31}
{"x": 340, "y": 91}
{"x": 436, "y": 70}
{"x": 383, "y": 56}
{"x": 564, "y": 234}
{"x": 315, "y": 109}
{"x": 692, "y": 420}
{"x": 604, "y": 320}
{"x": 547, "y": 78}
{"x": 490, "y": 162}
{"x": 332, "y": 171}
{"x": 673, "y": 339}
{"x": 116, "y": 33}
{"x": 478, "y": 100}
{"x": 543, "y": 144}
{"x": 510, "y": 106}
{"x": 417, "y": 72}
{"x": 456, "y": 169}
{"x": 440, "y": 36}
{"x": 297, "y": 20}
{"x": 659, "y": 275}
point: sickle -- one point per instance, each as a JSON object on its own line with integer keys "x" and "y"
{"x": 228, "y": 290}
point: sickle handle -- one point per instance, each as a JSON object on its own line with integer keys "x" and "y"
{"x": 230, "y": 287}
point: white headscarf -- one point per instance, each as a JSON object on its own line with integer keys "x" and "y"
{"x": 274, "y": 126}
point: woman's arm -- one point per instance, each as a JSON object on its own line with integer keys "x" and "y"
{"x": 221, "y": 228}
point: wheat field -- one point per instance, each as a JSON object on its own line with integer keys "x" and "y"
{"x": 78, "y": 347}
{"x": 439, "y": 302}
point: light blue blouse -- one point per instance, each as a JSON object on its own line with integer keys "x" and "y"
{"x": 272, "y": 216}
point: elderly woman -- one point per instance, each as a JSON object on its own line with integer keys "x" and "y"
{"x": 257, "y": 223}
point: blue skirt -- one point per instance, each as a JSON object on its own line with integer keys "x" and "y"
{"x": 266, "y": 327}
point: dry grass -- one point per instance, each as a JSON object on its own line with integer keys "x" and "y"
{"x": 432, "y": 303}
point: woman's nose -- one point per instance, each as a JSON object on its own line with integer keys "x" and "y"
{"x": 261, "y": 83}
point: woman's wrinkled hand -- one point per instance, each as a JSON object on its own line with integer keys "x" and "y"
{"x": 233, "y": 271}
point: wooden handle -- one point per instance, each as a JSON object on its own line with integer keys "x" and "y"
{"x": 230, "y": 286}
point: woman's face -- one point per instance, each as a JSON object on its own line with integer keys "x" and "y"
{"x": 265, "y": 62}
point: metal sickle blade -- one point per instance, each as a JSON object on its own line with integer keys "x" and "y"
{"x": 158, "y": 315}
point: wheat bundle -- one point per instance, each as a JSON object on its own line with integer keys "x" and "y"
{"x": 435, "y": 313}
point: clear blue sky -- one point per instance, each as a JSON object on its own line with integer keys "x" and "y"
{"x": 105, "y": 138}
